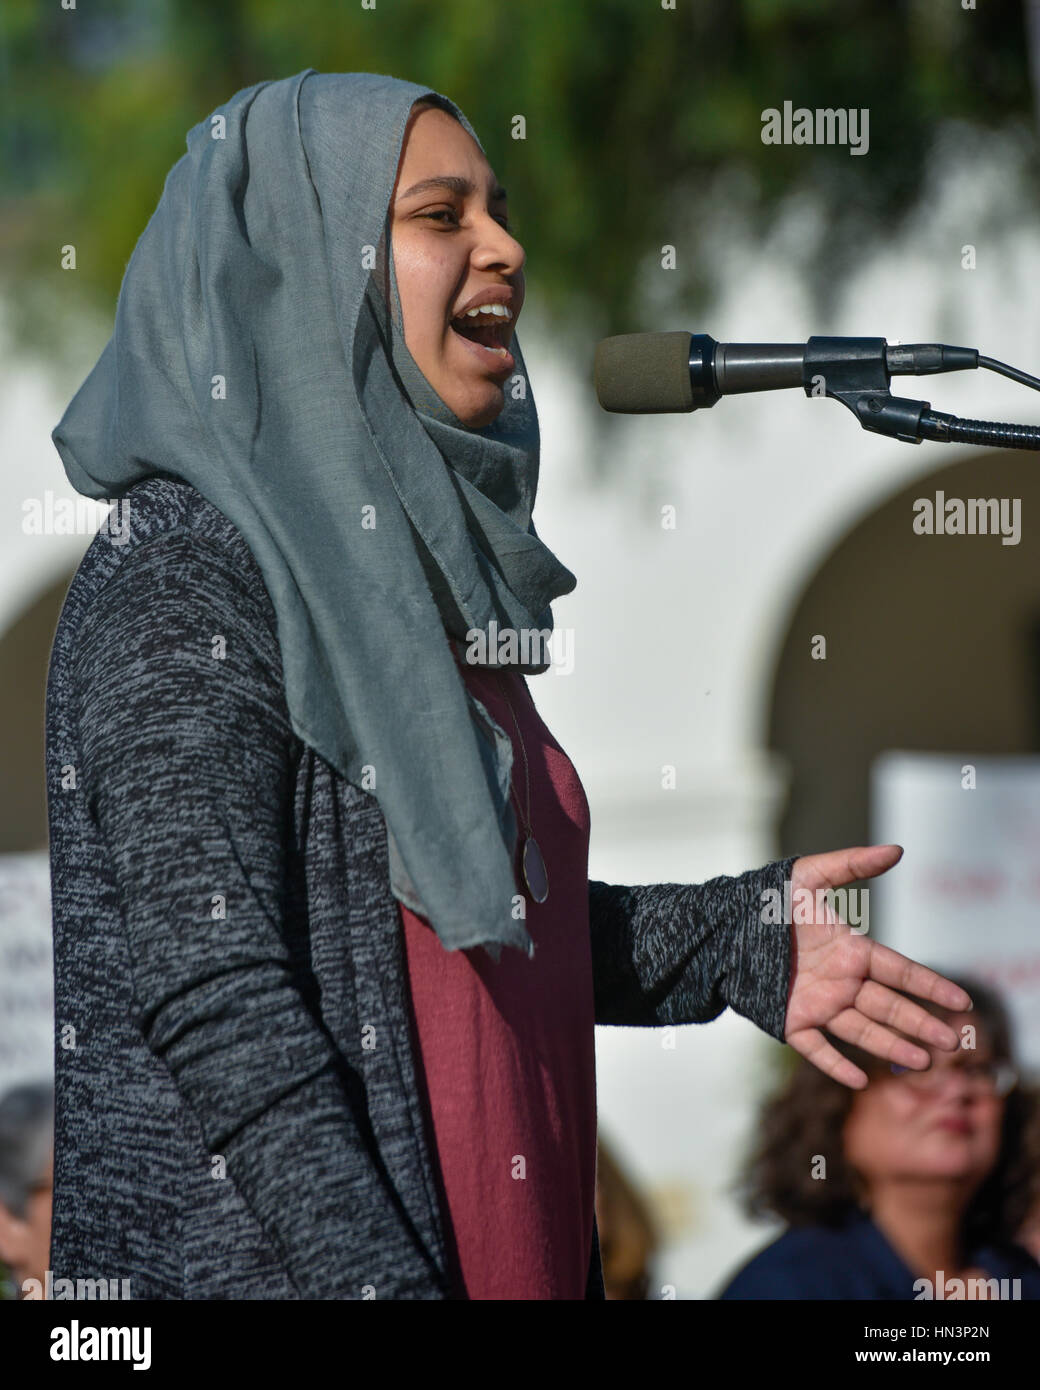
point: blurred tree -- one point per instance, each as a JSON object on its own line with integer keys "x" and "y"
{"x": 640, "y": 121}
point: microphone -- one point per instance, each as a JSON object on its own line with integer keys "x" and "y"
{"x": 665, "y": 373}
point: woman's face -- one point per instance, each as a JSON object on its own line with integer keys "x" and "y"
{"x": 452, "y": 252}
{"x": 952, "y": 1130}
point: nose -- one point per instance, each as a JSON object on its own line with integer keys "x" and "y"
{"x": 498, "y": 247}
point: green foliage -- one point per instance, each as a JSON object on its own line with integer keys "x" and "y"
{"x": 633, "y": 112}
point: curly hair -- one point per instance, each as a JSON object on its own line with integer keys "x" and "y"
{"x": 807, "y": 1117}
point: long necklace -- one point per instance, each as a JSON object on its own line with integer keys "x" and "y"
{"x": 535, "y": 875}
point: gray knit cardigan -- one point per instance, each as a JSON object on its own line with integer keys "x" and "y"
{"x": 237, "y": 1113}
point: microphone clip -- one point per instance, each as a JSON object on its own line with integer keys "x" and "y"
{"x": 855, "y": 371}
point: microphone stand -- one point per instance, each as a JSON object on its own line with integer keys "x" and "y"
{"x": 856, "y": 371}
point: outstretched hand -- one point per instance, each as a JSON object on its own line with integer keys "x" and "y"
{"x": 845, "y": 983}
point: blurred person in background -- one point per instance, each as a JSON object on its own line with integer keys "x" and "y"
{"x": 1029, "y": 1232}
{"x": 627, "y": 1236}
{"x": 26, "y": 1162}
{"x": 922, "y": 1175}
{"x": 1029, "y": 1235}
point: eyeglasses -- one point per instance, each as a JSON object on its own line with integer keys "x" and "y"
{"x": 984, "y": 1078}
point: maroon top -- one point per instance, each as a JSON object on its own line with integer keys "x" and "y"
{"x": 508, "y": 1050}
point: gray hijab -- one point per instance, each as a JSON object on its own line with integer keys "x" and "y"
{"x": 258, "y": 354}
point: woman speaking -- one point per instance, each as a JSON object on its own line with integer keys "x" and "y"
{"x": 328, "y": 961}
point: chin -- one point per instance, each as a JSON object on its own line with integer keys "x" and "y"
{"x": 955, "y": 1161}
{"x": 478, "y": 414}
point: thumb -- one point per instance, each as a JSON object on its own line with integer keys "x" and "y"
{"x": 841, "y": 866}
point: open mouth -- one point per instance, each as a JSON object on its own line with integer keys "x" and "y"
{"x": 493, "y": 333}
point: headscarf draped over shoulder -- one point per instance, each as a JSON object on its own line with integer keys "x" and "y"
{"x": 258, "y": 354}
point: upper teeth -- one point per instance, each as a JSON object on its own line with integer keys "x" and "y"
{"x": 499, "y": 310}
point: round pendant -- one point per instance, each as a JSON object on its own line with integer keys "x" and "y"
{"x": 535, "y": 875}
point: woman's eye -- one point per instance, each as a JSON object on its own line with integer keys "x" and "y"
{"x": 450, "y": 212}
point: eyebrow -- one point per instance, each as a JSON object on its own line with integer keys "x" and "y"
{"x": 457, "y": 184}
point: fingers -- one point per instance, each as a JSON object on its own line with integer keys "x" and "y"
{"x": 854, "y": 1027}
{"x": 888, "y": 967}
{"x": 815, "y": 1048}
{"x": 841, "y": 866}
{"x": 883, "y": 1006}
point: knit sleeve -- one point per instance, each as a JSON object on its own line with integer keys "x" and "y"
{"x": 668, "y": 953}
{"x": 188, "y": 766}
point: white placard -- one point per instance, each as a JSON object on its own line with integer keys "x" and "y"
{"x": 26, "y": 970}
{"x": 966, "y": 894}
